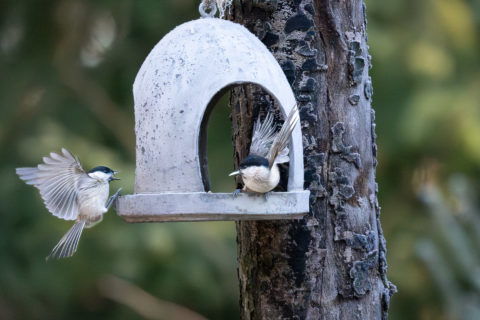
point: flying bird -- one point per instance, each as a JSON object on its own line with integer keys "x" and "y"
{"x": 71, "y": 193}
{"x": 259, "y": 171}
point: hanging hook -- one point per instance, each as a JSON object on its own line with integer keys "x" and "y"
{"x": 207, "y": 5}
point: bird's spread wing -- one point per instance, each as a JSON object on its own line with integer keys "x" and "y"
{"x": 263, "y": 136}
{"x": 57, "y": 179}
{"x": 282, "y": 138}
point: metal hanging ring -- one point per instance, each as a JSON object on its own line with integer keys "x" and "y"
{"x": 207, "y": 5}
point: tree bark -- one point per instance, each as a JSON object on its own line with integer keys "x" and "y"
{"x": 331, "y": 264}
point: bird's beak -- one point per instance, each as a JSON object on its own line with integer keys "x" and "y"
{"x": 114, "y": 178}
{"x": 234, "y": 173}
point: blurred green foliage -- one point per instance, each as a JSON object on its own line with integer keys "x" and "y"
{"x": 451, "y": 252}
{"x": 67, "y": 68}
{"x": 426, "y": 77}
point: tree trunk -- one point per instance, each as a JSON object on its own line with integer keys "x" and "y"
{"x": 331, "y": 264}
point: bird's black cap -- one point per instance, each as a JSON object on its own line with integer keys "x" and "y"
{"x": 253, "y": 161}
{"x": 101, "y": 169}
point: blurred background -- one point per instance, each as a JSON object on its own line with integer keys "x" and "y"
{"x": 66, "y": 73}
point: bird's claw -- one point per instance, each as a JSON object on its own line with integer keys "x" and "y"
{"x": 113, "y": 198}
{"x": 236, "y": 192}
{"x": 267, "y": 195}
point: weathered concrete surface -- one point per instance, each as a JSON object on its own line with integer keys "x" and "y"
{"x": 172, "y": 91}
{"x": 173, "y": 88}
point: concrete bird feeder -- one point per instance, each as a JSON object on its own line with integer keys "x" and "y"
{"x": 173, "y": 91}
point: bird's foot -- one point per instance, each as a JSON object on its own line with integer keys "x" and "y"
{"x": 236, "y": 193}
{"x": 113, "y": 198}
{"x": 267, "y": 195}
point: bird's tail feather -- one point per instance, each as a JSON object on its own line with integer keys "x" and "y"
{"x": 283, "y": 137}
{"x": 67, "y": 246}
{"x": 282, "y": 156}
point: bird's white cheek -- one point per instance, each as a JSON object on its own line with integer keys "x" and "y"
{"x": 99, "y": 175}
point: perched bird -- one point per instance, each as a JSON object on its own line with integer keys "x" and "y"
{"x": 259, "y": 171}
{"x": 70, "y": 193}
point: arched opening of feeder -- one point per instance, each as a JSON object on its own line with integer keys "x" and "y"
{"x": 215, "y": 138}
{"x": 215, "y": 145}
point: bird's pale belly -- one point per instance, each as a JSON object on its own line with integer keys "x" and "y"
{"x": 92, "y": 204}
{"x": 260, "y": 179}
